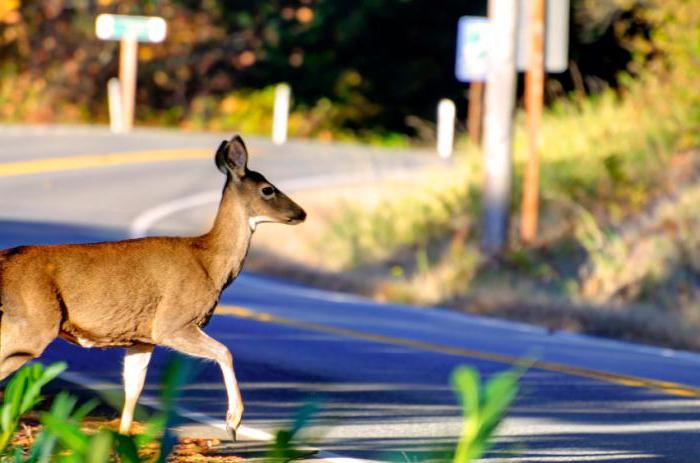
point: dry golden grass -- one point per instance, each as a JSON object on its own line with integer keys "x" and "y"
{"x": 304, "y": 244}
{"x": 606, "y": 162}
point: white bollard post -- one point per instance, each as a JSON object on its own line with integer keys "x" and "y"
{"x": 281, "y": 114}
{"x": 114, "y": 101}
{"x": 128, "y": 62}
{"x": 445, "y": 128}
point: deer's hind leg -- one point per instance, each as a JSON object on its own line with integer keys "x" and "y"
{"x": 28, "y": 326}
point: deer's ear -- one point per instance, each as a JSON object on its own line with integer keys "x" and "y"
{"x": 221, "y": 157}
{"x": 232, "y": 156}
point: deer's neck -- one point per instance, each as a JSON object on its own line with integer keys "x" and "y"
{"x": 226, "y": 245}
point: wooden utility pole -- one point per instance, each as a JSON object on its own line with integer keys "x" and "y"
{"x": 534, "y": 100}
{"x": 476, "y": 96}
{"x": 498, "y": 124}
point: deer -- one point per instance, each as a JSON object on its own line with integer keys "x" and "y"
{"x": 140, "y": 293}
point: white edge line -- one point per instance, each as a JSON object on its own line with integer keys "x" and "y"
{"x": 139, "y": 227}
{"x": 142, "y": 224}
{"x": 254, "y": 434}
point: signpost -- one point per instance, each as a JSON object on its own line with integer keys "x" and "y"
{"x": 129, "y": 30}
{"x": 473, "y": 41}
{"x": 554, "y": 16}
{"x": 537, "y": 31}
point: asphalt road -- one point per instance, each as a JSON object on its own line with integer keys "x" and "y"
{"x": 382, "y": 371}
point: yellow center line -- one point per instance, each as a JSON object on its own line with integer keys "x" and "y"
{"x": 152, "y": 156}
{"x": 667, "y": 387}
{"x": 58, "y": 164}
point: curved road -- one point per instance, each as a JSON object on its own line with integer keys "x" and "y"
{"x": 381, "y": 370}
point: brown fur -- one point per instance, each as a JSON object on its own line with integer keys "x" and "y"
{"x": 150, "y": 291}
{"x": 112, "y": 294}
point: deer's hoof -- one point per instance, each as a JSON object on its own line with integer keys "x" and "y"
{"x": 232, "y": 424}
{"x": 231, "y": 432}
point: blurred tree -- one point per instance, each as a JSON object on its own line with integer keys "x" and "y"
{"x": 376, "y": 61}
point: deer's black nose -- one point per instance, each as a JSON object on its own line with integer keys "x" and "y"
{"x": 301, "y": 216}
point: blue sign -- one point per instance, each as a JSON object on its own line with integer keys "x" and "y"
{"x": 473, "y": 40}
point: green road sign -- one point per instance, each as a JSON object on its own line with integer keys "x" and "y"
{"x": 140, "y": 28}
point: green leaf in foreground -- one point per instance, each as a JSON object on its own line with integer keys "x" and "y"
{"x": 483, "y": 408}
{"x": 285, "y": 446}
{"x": 22, "y": 394}
{"x": 100, "y": 448}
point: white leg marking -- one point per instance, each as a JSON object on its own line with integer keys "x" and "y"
{"x": 135, "y": 367}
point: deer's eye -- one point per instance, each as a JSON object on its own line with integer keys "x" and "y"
{"x": 267, "y": 192}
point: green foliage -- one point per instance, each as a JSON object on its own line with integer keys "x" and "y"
{"x": 22, "y": 394}
{"x": 483, "y": 408}
{"x": 604, "y": 160}
{"x": 177, "y": 374}
{"x": 664, "y": 249}
{"x": 62, "y": 437}
{"x": 50, "y": 58}
{"x": 285, "y": 446}
{"x": 62, "y": 433}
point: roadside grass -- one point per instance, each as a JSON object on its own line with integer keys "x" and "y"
{"x": 616, "y": 252}
{"x": 603, "y": 158}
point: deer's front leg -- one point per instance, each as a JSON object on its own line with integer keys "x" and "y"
{"x": 193, "y": 341}
{"x": 135, "y": 367}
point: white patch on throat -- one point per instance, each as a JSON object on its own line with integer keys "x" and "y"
{"x": 254, "y": 221}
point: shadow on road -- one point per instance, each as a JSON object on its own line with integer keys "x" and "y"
{"x": 20, "y": 233}
{"x": 393, "y": 402}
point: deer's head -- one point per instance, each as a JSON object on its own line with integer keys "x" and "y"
{"x": 263, "y": 201}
